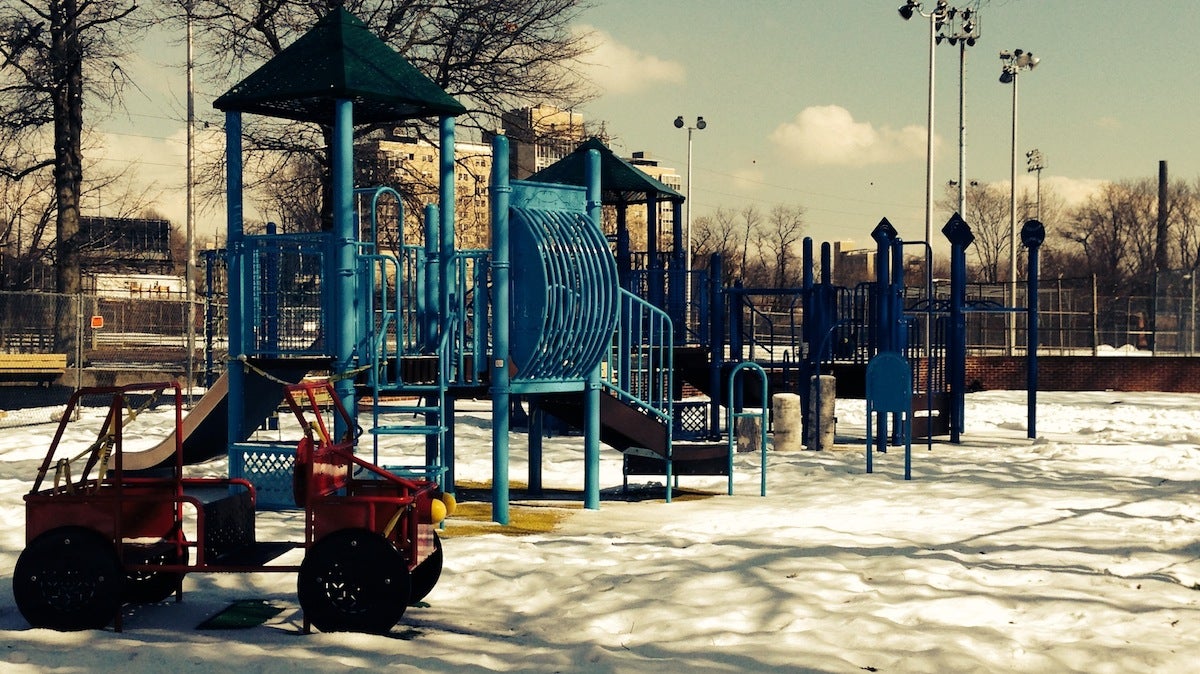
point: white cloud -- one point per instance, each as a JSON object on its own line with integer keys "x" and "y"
{"x": 1073, "y": 191}
{"x": 829, "y": 135}
{"x": 618, "y": 69}
{"x": 748, "y": 179}
{"x": 158, "y": 166}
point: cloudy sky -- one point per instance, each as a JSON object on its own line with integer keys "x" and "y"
{"x": 823, "y": 104}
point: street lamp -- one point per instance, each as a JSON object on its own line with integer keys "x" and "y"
{"x": 1034, "y": 162}
{"x": 937, "y": 19}
{"x": 963, "y": 31}
{"x": 1014, "y": 62}
{"x": 687, "y": 203}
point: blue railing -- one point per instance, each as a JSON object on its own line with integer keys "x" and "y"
{"x": 639, "y": 367}
{"x": 283, "y": 277}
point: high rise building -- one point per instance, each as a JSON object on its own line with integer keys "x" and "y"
{"x": 540, "y": 135}
{"x": 412, "y": 166}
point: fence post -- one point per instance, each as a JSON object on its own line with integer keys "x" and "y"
{"x": 1095, "y": 320}
{"x": 78, "y": 341}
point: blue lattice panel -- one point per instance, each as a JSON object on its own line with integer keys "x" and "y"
{"x": 691, "y": 419}
{"x": 269, "y": 468}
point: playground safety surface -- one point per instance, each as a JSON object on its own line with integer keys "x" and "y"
{"x": 542, "y": 512}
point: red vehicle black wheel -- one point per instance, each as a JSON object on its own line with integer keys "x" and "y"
{"x": 68, "y": 579}
{"x": 353, "y": 581}
{"x": 147, "y": 587}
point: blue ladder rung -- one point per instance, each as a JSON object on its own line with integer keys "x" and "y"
{"x": 408, "y": 430}
{"x": 401, "y": 387}
{"x": 417, "y": 471}
{"x": 408, "y": 409}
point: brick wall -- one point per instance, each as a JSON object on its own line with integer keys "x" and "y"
{"x": 1174, "y": 374}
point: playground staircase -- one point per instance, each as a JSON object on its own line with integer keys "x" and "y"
{"x": 411, "y": 391}
{"x": 641, "y": 438}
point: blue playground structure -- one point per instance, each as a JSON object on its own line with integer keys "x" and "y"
{"x": 428, "y": 323}
{"x": 556, "y": 313}
{"x": 549, "y": 313}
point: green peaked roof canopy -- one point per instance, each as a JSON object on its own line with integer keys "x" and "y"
{"x": 620, "y": 181}
{"x": 339, "y": 59}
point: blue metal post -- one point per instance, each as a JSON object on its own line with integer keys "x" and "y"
{"x": 897, "y": 326}
{"x": 449, "y": 408}
{"x": 501, "y": 314}
{"x": 537, "y": 431}
{"x": 716, "y": 340}
{"x": 624, "y": 257}
{"x": 810, "y": 331}
{"x": 432, "y": 279}
{"x": 234, "y": 246}
{"x": 591, "y": 431}
{"x": 960, "y": 236}
{"x": 271, "y": 284}
{"x": 447, "y": 202}
{"x": 1032, "y": 235}
{"x": 879, "y": 333}
{"x": 679, "y": 279}
{"x": 210, "y": 266}
{"x": 737, "y": 322}
{"x": 653, "y": 265}
{"x": 479, "y": 319}
{"x": 899, "y": 335}
{"x": 342, "y": 269}
{"x": 433, "y": 320}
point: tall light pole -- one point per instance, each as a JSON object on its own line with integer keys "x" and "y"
{"x": 189, "y": 275}
{"x": 687, "y": 202}
{"x": 1014, "y": 62}
{"x": 937, "y": 19}
{"x": 1034, "y": 162}
{"x": 964, "y": 31}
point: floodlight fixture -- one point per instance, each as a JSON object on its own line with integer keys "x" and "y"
{"x": 960, "y": 30}
{"x": 938, "y": 17}
{"x": 687, "y": 210}
{"x": 1014, "y": 62}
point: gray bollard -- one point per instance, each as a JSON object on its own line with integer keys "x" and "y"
{"x": 826, "y": 384}
{"x": 785, "y": 422}
{"x": 749, "y": 432}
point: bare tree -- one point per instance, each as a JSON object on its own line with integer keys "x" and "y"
{"x": 27, "y": 230}
{"x": 718, "y": 233}
{"x": 751, "y": 221}
{"x": 293, "y": 195}
{"x": 492, "y": 55}
{"x": 987, "y": 214}
{"x": 782, "y": 231}
{"x": 1101, "y": 228}
{"x": 1186, "y": 212}
{"x": 57, "y": 58}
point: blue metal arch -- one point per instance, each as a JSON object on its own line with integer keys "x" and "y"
{"x": 564, "y": 296}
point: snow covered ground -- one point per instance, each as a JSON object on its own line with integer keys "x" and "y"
{"x": 1075, "y": 552}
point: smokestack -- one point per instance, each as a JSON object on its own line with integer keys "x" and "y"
{"x": 1161, "y": 259}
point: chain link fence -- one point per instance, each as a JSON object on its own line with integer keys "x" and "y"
{"x": 1075, "y": 318}
{"x": 80, "y": 339}
{"x": 92, "y": 335}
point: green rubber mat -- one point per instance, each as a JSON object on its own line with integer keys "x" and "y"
{"x": 242, "y": 614}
